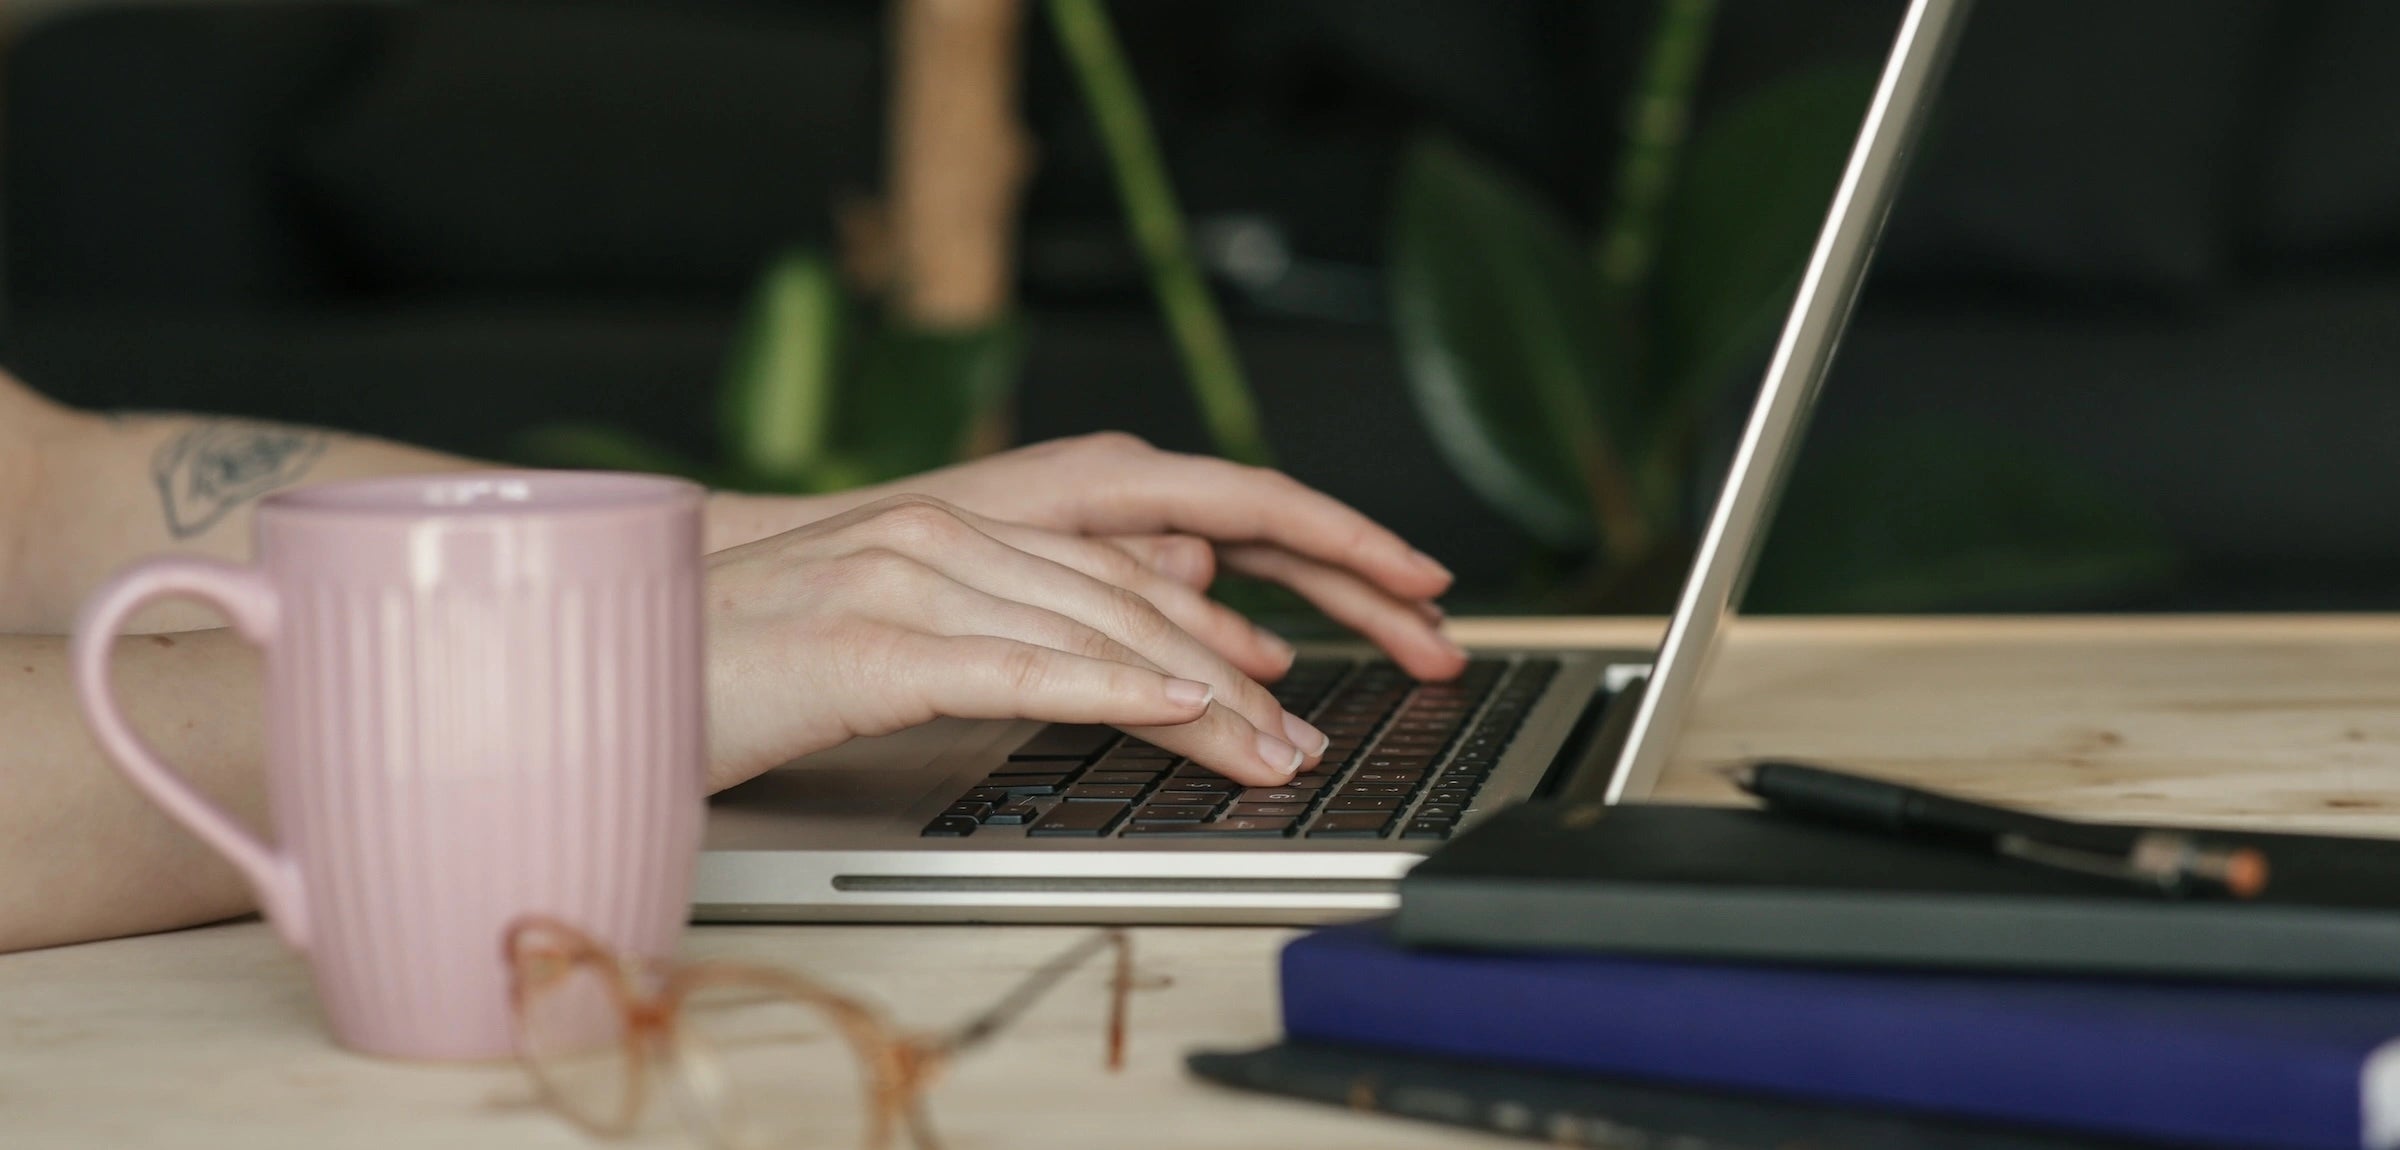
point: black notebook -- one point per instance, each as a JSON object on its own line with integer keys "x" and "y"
{"x": 1737, "y": 883}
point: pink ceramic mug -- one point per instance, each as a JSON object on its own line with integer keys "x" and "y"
{"x": 484, "y": 698}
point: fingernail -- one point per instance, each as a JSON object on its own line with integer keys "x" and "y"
{"x": 1430, "y": 563}
{"x": 1276, "y": 643}
{"x": 1280, "y": 757}
{"x": 1310, "y": 740}
{"x": 1452, "y": 646}
{"x": 1190, "y": 692}
{"x": 1432, "y": 611}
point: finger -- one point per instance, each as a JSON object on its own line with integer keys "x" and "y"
{"x": 1218, "y": 738}
{"x": 944, "y": 539}
{"x": 1186, "y": 559}
{"x": 1136, "y": 490}
{"x": 1400, "y": 627}
{"x": 986, "y": 677}
{"x": 1253, "y": 650}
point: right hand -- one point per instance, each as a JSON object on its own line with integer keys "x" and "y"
{"x": 892, "y": 614}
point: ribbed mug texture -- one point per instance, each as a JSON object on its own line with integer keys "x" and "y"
{"x": 477, "y": 709}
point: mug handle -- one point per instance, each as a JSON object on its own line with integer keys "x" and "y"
{"x": 246, "y": 598}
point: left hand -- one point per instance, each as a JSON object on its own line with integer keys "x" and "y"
{"x": 1162, "y": 524}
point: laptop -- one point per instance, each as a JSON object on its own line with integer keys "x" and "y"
{"x": 1022, "y": 822}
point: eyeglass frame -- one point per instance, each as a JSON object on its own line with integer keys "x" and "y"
{"x": 900, "y": 1065}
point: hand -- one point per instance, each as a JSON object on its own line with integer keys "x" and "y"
{"x": 894, "y": 613}
{"x": 1184, "y": 517}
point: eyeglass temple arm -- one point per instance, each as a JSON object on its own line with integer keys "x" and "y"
{"x": 975, "y": 1031}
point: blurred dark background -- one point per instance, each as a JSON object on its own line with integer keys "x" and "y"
{"x": 2160, "y": 238}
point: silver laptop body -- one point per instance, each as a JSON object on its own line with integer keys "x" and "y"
{"x": 843, "y": 835}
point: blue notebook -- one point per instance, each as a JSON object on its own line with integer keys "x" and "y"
{"x": 2233, "y": 1065}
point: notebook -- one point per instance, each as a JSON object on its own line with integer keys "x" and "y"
{"x": 1737, "y": 883}
{"x": 2177, "y": 1060}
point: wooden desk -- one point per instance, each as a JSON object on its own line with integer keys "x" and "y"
{"x": 208, "y": 1038}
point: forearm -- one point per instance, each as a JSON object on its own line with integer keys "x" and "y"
{"x": 106, "y": 490}
{"x": 82, "y": 854}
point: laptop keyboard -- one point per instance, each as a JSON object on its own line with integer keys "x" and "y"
{"x": 1406, "y": 759}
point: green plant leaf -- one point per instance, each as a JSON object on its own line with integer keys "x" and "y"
{"x": 1501, "y": 324}
{"x": 778, "y": 402}
{"x": 1751, "y": 199}
{"x": 594, "y": 447}
{"x": 1925, "y": 515}
{"x": 917, "y": 395}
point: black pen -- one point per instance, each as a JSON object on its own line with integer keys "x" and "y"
{"x": 2169, "y": 860}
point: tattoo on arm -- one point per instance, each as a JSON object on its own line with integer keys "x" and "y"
{"x": 208, "y": 470}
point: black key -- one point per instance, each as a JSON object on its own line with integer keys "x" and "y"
{"x": 1223, "y": 828}
{"x": 1426, "y": 829}
{"x": 966, "y": 810}
{"x": 1117, "y": 778}
{"x": 1024, "y": 784}
{"x": 948, "y": 827}
{"x": 1080, "y": 820}
{"x": 1371, "y": 775}
{"x": 1144, "y": 754}
{"x": 1268, "y": 810}
{"x": 1440, "y": 810}
{"x": 1171, "y": 813}
{"x": 1276, "y": 795}
{"x": 1036, "y": 767}
{"x": 1066, "y": 741}
{"x": 1360, "y": 825}
{"x": 1108, "y": 792}
{"x": 984, "y": 795}
{"x": 1450, "y": 798}
{"x": 1212, "y": 783}
{"x": 1380, "y": 790}
{"x": 1349, "y": 802}
{"x": 1015, "y": 813}
{"x": 1191, "y": 798}
{"x": 1380, "y": 760}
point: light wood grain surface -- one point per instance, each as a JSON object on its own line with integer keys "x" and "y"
{"x": 209, "y": 1038}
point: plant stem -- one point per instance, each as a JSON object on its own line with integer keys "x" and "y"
{"x": 1156, "y": 223}
{"x": 1657, "y": 119}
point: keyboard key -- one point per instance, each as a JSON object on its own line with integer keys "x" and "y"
{"x": 1144, "y": 754}
{"x": 1277, "y": 795}
{"x": 1011, "y": 814}
{"x": 1172, "y": 813}
{"x": 1426, "y": 829}
{"x": 1447, "y": 811}
{"x": 1079, "y": 820}
{"x": 1450, "y": 797}
{"x": 1136, "y": 778}
{"x": 1066, "y": 741}
{"x": 1217, "y": 785}
{"x": 1349, "y": 802}
{"x": 984, "y": 795}
{"x": 966, "y": 810}
{"x": 1245, "y": 828}
{"x": 1387, "y": 775}
{"x": 948, "y": 827}
{"x": 1113, "y": 792}
{"x": 1394, "y": 790}
{"x": 1360, "y": 825}
{"x": 1268, "y": 810}
{"x": 1024, "y": 784}
{"x": 1036, "y": 767}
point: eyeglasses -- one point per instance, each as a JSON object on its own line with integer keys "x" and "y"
{"x": 756, "y": 1058}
